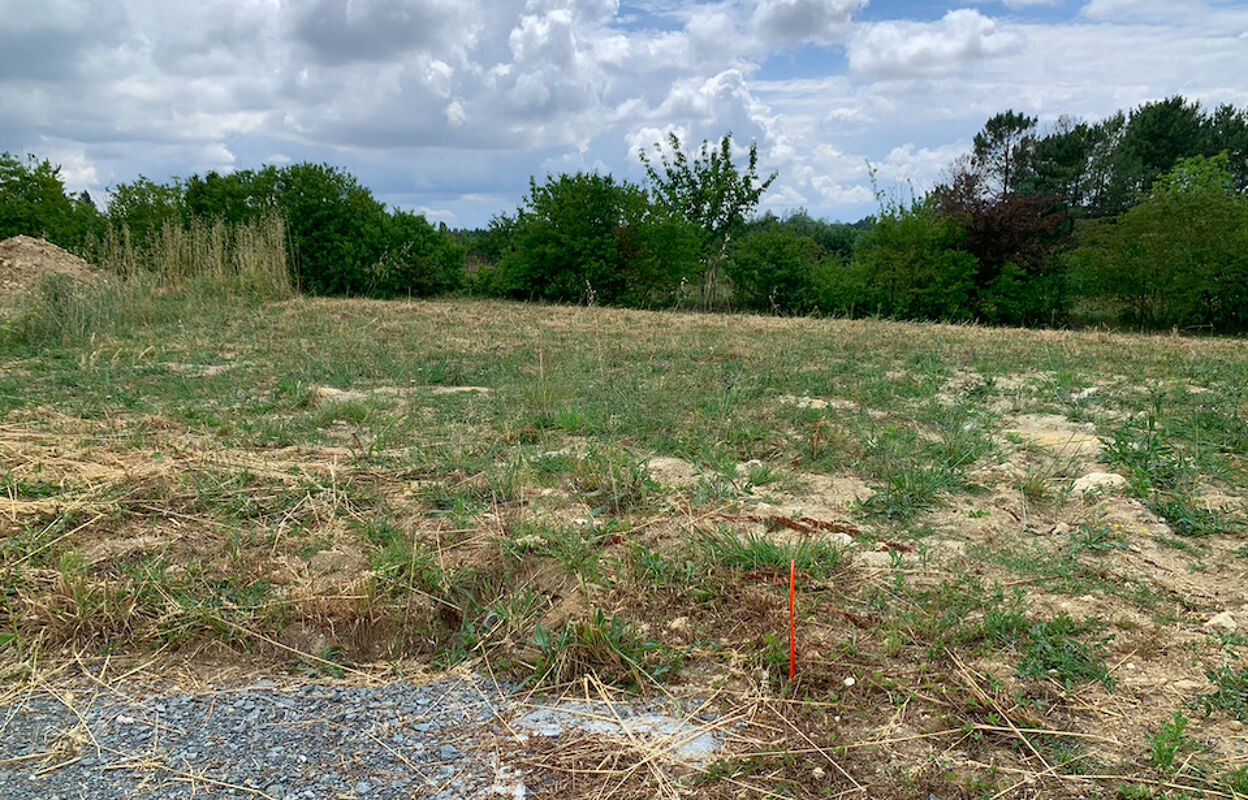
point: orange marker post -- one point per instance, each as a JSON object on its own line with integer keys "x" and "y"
{"x": 792, "y": 619}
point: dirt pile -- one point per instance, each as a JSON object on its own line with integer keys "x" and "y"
{"x": 24, "y": 259}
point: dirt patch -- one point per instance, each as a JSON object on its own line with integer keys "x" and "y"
{"x": 25, "y": 259}
{"x": 1057, "y": 434}
{"x": 824, "y": 497}
{"x": 330, "y": 394}
{"x": 837, "y": 403}
{"x": 673, "y": 473}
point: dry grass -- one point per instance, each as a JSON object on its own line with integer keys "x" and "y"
{"x": 299, "y": 487}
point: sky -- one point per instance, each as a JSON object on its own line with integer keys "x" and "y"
{"x": 447, "y": 107}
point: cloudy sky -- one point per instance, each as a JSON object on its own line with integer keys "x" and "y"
{"x": 448, "y": 106}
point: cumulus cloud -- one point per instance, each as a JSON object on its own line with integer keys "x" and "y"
{"x": 449, "y": 105}
{"x": 341, "y": 31}
{"x": 799, "y": 21}
{"x": 912, "y": 49}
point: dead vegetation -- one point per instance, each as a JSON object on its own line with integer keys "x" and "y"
{"x": 1019, "y": 554}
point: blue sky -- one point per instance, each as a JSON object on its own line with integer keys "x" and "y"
{"x": 448, "y": 106}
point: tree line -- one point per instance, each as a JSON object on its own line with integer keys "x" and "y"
{"x": 1141, "y": 218}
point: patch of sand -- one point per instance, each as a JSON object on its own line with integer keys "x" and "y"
{"x": 1057, "y": 435}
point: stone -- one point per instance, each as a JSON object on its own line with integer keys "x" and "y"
{"x": 1222, "y": 623}
{"x": 1098, "y": 483}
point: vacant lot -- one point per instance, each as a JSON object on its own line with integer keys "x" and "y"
{"x": 1022, "y": 562}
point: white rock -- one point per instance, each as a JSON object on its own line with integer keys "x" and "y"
{"x": 1097, "y": 482}
{"x": 1223, "y": 623}
{"x": 849, "y": 682}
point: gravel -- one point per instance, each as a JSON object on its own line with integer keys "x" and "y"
{"x": 305, "y": 742}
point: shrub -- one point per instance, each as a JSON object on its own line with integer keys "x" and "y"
{"x": 910, "y": 266}
{"x": 584, "y": 237}
{"x": 1179, "y": 258}
{"x": 773, "y": 271}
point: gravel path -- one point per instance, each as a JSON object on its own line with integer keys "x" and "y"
{"x": 309, "y": 742}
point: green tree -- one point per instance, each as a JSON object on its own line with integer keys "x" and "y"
{"x": 142, "y": 208}
{"x": 910, "y": 265}
{"x": 584, "y": 237}
{"x": 33, "y": 202}
{"x": 1180, "y": 257}
{"x": 1155, "y": 137}
{"x": 707, "y": 191}
{"x": 773, "y": 270}
{"x": 417, "y": 259}
{"x": 1002, "y": 152}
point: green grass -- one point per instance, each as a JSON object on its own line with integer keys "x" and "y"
{"x": 522, "y": 526}
{"x": 754, "y": 552}
{"x": 1168, "y": 742}
{"x": 1231, "y": 693}
{"x": 608, "y": 648}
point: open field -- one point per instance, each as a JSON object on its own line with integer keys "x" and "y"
{"x": 1022, "y": 560}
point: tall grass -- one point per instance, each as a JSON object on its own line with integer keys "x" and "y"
{"x": 184, "y": 270}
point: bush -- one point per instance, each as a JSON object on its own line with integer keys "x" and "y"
{"x": 910, "y": 266}
{"x": 33, "y": 202}
{"x": 773, "y": 270}
{"x": 586, "y": 238}
{"x": 1179, "y": 258}
{"x": 342, "y": 240}
{"x": 417, "y": 260}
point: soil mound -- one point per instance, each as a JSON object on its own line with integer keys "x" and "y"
{"x": 24, "y": 259}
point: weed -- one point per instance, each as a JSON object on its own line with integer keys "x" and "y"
{"x": 1231, "y": 695}
{"x": 1053, "y": 650}
{"x": 329, "y": 663}
{"x": 1098, "y": 538}
{"x": 1145, "y": 450}
{"x": 915, "y": 474}
{"x": 1168, "y": 742}
{"x": 504, "y": 481}
{"x": 575, "y": 547}
{"x": 1237, "y": 781}
{"x": 754, "y": 552}
{"x": 401, "y": 565}
{"x": 1187, "y": 519}
{"x": 659, "y": 571}
{"x": 1033, "y": 483}
{"x": 613, "y": 481}
{"x": 607, "y": 648}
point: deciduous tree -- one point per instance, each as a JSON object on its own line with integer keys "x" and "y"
{"x": 710, "y": 192}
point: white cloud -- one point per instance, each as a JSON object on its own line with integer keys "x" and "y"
{"x": 1137, "y": 10}
{"x": 450, "y": 104}
{"x": 796, "y": 21}
{"x": 912, "y": 49}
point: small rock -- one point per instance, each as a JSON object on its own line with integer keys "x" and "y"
{"x": 1236, "y": 725}
{"x": 1098, "y": 482}
{"x": 1061, "y": 529}
{"x": 362, "y": 788}
{"x": 449, "y": 752}
{"x": 817, "y": 773}
{"x": 678, "y": 624}
{"x": 849, "y": 682}
{"x": 1222, "y": 623}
